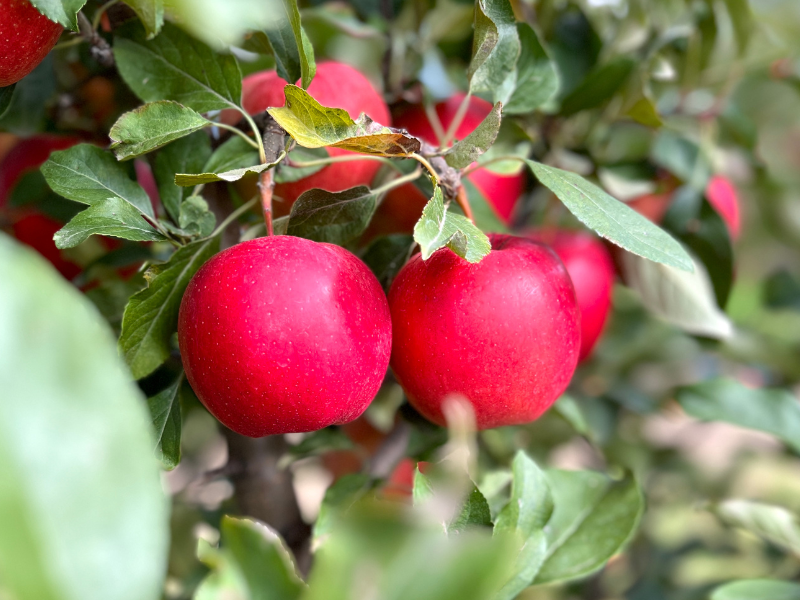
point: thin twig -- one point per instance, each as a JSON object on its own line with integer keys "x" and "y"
{"x": 390, "y": 452}
{"x": 421, "y": 159}
{"x": 457, "y": 119}
{"x": 234, "y": 215}
{"x": 238, "y": 132}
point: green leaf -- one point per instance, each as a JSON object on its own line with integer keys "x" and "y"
{"x": 192, "y": 179}
{"x": 684, "y": 299}
{"x": 774, "y": 524}
{"x": 151, "y": 316}
{"x": 774, "y": 411}
{"x": 152, "y": 126}
{"x": 682, "y": 158}
{"x": 338, "y": 498}
{"x": 537, "y": 79}
{"x": 64, "y": 12}
{"x": 195, "y": 218}
{"x": 744, "y": 24}
{"x": 782, "y": 291}
{"x": 6, "y": 93}
{"x": 294, "y": 55}
{"x": 87, "y": 174}
{"x": 495, "y": 48}
{"x": 113, "y": 217}
{"x": 754, "y": 589}
{"x": 386, "y": 256}
{"x": 315, "y": 126}
{"x": 438, "y": 228}
{"x": 233, "y": 154}
{"x": 593, "y": 519}
{"x": 644, "y": 111}
{"x": 150, "y": 13}
{"x": 531, "y": 503}
{"x": 467, "y": 151}
{"x": 83, "y": 513}
{"x": 527, "y": 512}
{"x": 165, "y": 411}
{"x": 611, "y": 218}
{"x": 599, "y": 86}
{"x": 186, "y": 155}
{"x": 33, "y": 96}
{"x": 252, "y": 562}
{"x": 422, "y": 489}
{"x": 175, "y": 66}
{"x": 474, "y": 513}
{"x": 485, "y": 216}
{"x": 332, "y": 217}
{"x": 287, "y": 174}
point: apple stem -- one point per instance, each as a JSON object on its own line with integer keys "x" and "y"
{"x": 463, "y": 202}
{"x": 265, "y": 185}
{"x": 424, "y": 162}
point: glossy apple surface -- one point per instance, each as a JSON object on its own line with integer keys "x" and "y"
{"x": 282, "y": 334}
{"x": 335, "y": 85}
{"x": 591, "y": 269}
{"x": 401, "y": 208}
{"x": 26, "y": 36}
{"x": 504, "y": 333}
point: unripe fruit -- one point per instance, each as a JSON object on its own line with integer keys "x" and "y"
{"x": 591, "y": 269}
{"x": 504, "y": 333}
{"x": 401, "y": 208}
{"x": 282, "y": 334}
{"x": 335, "y": 85}
{"x": 26, "y": 36}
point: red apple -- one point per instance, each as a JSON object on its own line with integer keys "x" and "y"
{"x": 26, "y": 224}
{"x": 282, "y": 334}
{"x": 336, "y": 85}
{"x": 401, "y": 208}
{"x": 723, "y": 198}
{"x": 26, "y": 36}
{"x": 504, "y": 333}
{"x": 591, "y": 269}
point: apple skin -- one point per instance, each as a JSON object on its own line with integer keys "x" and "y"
{"x": 504, "y": 333}
{"x": 335, "y": 85}
{"x": 26, "y": 36}
{"x": 282, "y": 334}
{"x": 591, "y": 270}
{"x": 402, "y": 207}
{"x": 722, "y": 196}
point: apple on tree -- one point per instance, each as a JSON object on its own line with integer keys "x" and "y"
{"x": 282, "y": 334}
{"x": 335, "y": 85}
{"x": 591, "y": 270}
{"x": 504, "y": 332}
{"x": 26, "y": 36}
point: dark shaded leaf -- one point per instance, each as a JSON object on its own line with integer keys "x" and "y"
{"x": 598, "y": 87}
{"x": 186, "y": 155}
{"x": 333, "y": 217}
{"x": 537, "y": 80}
{"x": 165, "y": 411}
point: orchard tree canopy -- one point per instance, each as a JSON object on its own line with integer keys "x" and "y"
{"x": 400, "y": 300}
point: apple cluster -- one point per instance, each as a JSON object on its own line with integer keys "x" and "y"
{"x": 282, "y": 334}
